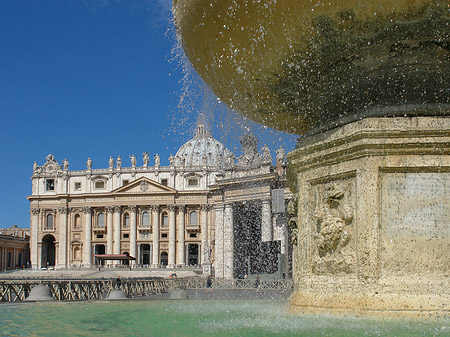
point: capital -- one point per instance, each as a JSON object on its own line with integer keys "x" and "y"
{"x": 63, "y": 210}
{"x": 35, "y": 211}
{"x": 87, "y": 210}
{"x": 117, "y": 209}
{"x": 132, "y": 208}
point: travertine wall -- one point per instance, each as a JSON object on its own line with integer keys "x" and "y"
{"x": 373, "y": 218}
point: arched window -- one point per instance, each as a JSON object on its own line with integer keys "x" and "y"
{"x": 165, "y": 219}
{"x": 101, "y": 220}
{"x": 126, "y": 220}
{"x": 145, "y": 219}
{"x": 49, "y": 221}
{"x": 77, "y": 221}
{"x": 193, "y": 218}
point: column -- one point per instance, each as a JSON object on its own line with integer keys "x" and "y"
{"x": 34, "y": 256}
{"x": 109, "y": 230}
{"x": 155, "y": 226}
{"x": 172, "y": 236}
{"x": 138, "y": 257}
{"x": 218, "y": 260}
{"x": 62, "y": 258}
{"x": 266, "y": 222}
{"x": 228, "y": 241}
{"x": 88, "y": 236}
{"x": 204, "y": 231}
{"x": 133, "y": 232}
{"x": 181, "y": 235}
{"x": 116, "y": 217}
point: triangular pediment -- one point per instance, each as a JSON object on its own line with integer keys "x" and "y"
{"x": 144, "y": 186}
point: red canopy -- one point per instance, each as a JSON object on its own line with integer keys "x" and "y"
{"x": 121, "y": 257}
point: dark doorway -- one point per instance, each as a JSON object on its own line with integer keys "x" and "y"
{"x": 192, "y": 255}
{"x": 100, "y": 249}
{"x": 164, "y": 259}
{"x": 145, "y": 254}
{"x": 48, "y": 251}
{"x": 125, "y": 262}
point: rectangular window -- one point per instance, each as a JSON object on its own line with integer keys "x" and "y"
{"x": 164, "y": 235}
{"x": 99, "y": 236}
{"x": 50, "y": 185}
{"x": 77, "y": 186}
{"x": 125, "y": 182}
{"x": 193, "y": 182}
{"x": 126, "y": 235}
{"x": 164, "y": 182}
{"x": 99, "y": 184}
{"x": 193, "y": 235}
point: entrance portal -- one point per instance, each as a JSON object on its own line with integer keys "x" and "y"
{"x": 145, "y": 254}
{"x": 48, "y": 251}
{"x": 164, "y": 259}
{"x": 100, "y": 249}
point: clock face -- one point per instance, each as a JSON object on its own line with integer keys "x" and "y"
{"x": 50, "y": 168}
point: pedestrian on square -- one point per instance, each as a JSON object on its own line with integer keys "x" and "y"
{"x": 208, "y": 284}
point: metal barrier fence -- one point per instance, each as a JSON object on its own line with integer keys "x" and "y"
{"x": 79, "y": 290}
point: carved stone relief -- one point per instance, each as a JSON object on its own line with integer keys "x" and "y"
{"x": 333, "y": 232}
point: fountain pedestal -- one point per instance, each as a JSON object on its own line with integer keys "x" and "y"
{"x": 374, "y": 218}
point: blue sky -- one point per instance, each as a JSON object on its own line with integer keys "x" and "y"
{"x": 94, "y": 78}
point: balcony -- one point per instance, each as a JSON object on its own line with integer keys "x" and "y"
{"x": 193, "y": 228}
{"x": 144, "y": 228}
{"x": 99, "y": 229}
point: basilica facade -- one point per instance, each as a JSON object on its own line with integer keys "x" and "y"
{"x": 190, "y": 213}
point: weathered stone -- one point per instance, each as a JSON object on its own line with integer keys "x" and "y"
{"x": 374, "y": 218}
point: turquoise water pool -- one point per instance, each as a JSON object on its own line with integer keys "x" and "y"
{"x": 195, "y": 318}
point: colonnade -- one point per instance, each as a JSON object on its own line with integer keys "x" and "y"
{"x": 114, "y": 230}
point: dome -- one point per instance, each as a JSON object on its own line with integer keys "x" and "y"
{"x": 203, "y": 150}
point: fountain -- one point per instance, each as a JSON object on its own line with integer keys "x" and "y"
{"x": 367, "y": 85}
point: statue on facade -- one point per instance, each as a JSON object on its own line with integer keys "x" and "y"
{"x": 50, "y": 158}
{"x": 133, "y": 160}
{"x": 145, "y": 159}
{"x": 157, "y": 160}
{"x": 89, "y": 164}
{"x": 119, "y": 162}
{"x": 35, "y": 168}
{"x": 229, "y": 159}
{"x": 266, "y": 156}
{"x": 172, "y": 160}
{"x": 333, "y": 219}
{"x": 65, "y": 164}
{"x": 111, "y": 162}
{"x": 281, "y": 155}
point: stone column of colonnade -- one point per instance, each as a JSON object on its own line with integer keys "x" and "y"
{"x": 219, "y": 251}
{"x": 155, "y": 214}
{"x": 228, "y": 241}
{"x": 204, "y": 231}
{"x": 172, "y": 237}
{"x": 87, "y": 251}
{"x": 62, "y": 258}
{"x": 109, "y": 230}
{"x": 133, "y": 232}
{"x": 180, "y": 248}
{"x": 116, "y": 224}
{"x": 266, "y": 222}
{"x": 34, "y": 256}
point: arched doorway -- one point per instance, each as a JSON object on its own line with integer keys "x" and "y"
{"x": 164, "y": 259}
{"x": 48, "y": 251}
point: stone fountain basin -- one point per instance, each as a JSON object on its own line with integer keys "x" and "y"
{"x": 300, "y": 65}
